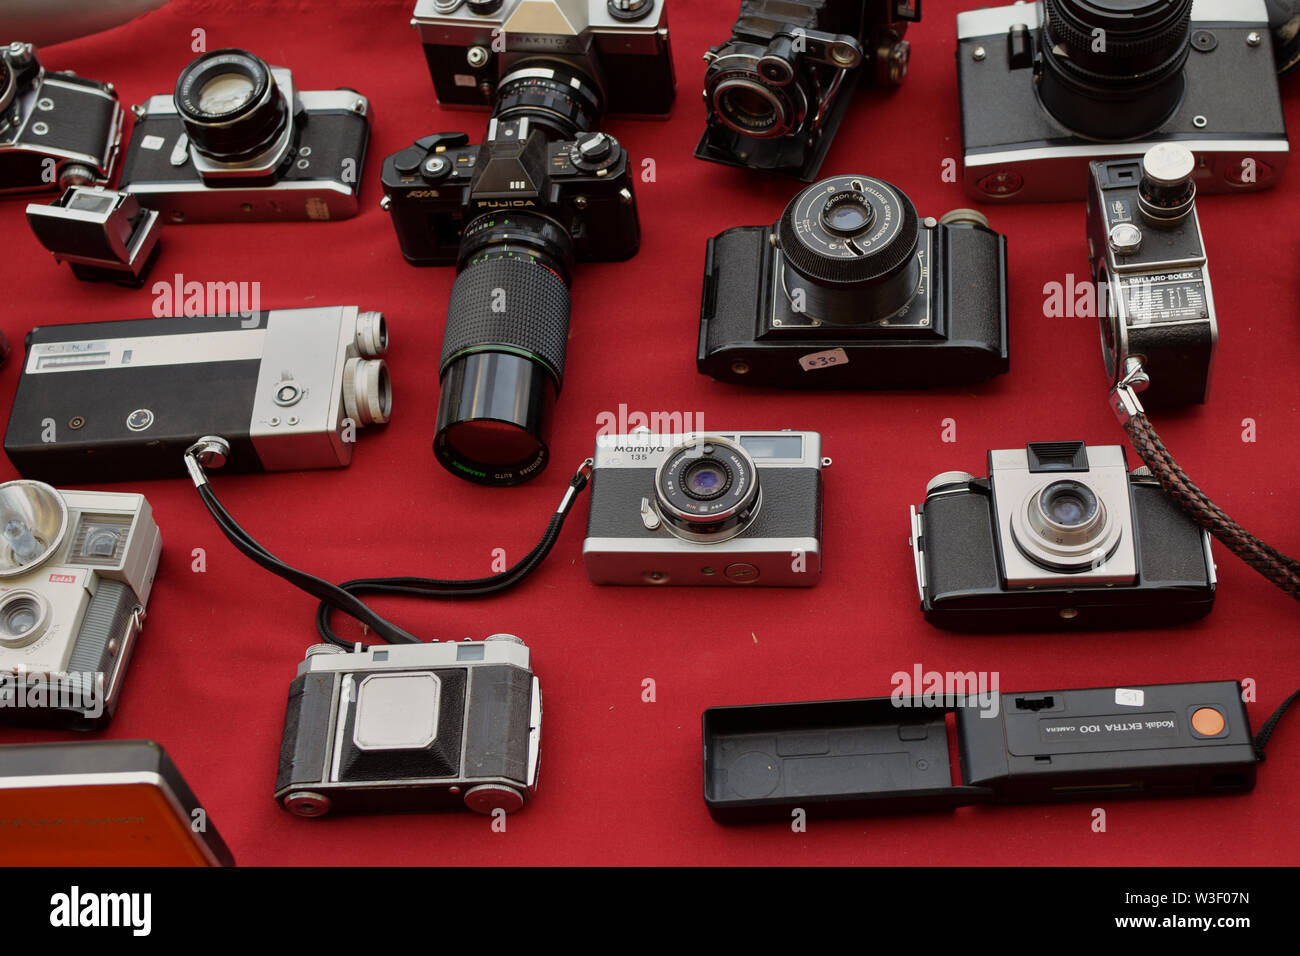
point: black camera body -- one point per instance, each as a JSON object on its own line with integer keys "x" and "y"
{"x": 852, "y": 290}
{"x": 622, "y": 46}
{"x": 1060, "y": 536}
{"x": 1046, "y": 87}
{"x": 1154, "y": 299}
{"x": 777, "y": 90}
{"x": 56, "y": 129}
{"x": 261, "y": 151}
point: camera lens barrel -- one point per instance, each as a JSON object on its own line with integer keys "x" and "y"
{"x": 707, "y": 490}
{"x": 553, "y": 96}
{"x": 231, "y": 106}
{"x": 851, "y": 246}
{"x": 1113, "y": 69}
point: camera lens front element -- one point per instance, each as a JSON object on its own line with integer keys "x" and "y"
{"x": 1068, "y": 504}
{"x": 24, "y": 617}
{"x": 231, "y": 106}
{"x": 1065, "y": 526}
{"x": 707, "y": 489}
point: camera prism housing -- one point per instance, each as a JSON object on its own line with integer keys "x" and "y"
{"x": 1147, "y": 257}
{"x": 407, "y": 727}
{"x": 620, "y": 46}
{"x": 111, "y": 401}
{"x": 776, "y": 90}
{"x": 237, "y": 142}
{"x": 1049, "y": 86}
{"x": 1059, "y": 536}
{"x": 716, "y": 508}
{"x": 104, "y": 235}
{"x": 56, "y": 129}
{"x": 850, "y": 289}
{"x": 76, "y": 570}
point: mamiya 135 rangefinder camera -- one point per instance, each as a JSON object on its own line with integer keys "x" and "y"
{"x": 286, "y": 388}
{"x": 706, "y": 509}
{"x": 1154, "y": 300}
{"x": 851, "y": 290}
{"x": 777, "y": 90}
{"x": 1048, "y": 86}
{"x": 237, "y": 142}
{"x": 412, "y": 727}
{"x": 1059, "y": 535}
{"x": 56, "y": 129}
{"x": 76, "y": 569}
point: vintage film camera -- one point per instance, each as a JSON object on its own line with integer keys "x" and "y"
{"x": 56, "y": 129}
{"x": 412, "y": 727}
{"x": 1048, "y": 86}
{"x": 777, "y": 90}
{"x": 620, "y": 46}
{"x": 104, "y": 235}
{"x": 76, "y": 569}
{"x": 1154, "y": 299}
{"x": 851, "y": 290}
{"x": 738, "y": 508}
{"x": 111, "y": 401}
{"x": 238, "y": 142}
{"x": 1060, "y": 535}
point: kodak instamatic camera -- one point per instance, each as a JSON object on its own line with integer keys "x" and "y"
{"x": 1153, "y": 287}
{"x": 111, "y": 401}
{"x": 1048, "y": 86}
{"x": 412, "y": 727}
{"x": 56, "y": 129}
{"x": 76, "y": 569}
{"x": 237, "y": 142}
{"x": 1060, "y": 535}
{"x": 740, "y": 508}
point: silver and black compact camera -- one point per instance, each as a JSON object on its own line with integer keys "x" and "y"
{"x": 111, "y": 401}
{"x": 412, "y": 727}
{"x": 1048, "y": 86}
{"x": 104, "y": 235}
{"x": 76, "y": 569}
{"x": 706, "y": 509}
{"x": 1154, "y": 300}
{"x": 238, "y": 142}
{"x": 1060, "y": 535}
{"x": 56, "y": 129}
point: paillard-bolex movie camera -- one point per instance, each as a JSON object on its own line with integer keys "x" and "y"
{"x": 777, "y": 90}
{"x": 1154, "y": 300}
{"x": 412, "y": 727}
{"x": 56, "y": 129}
{"x": 286, "y": 388}
{"x": 1059, "y": 535}
{"x": 706, "y": 509}
{"x": 1048, "y": 86}
{"x": 851, "y": 290}
{"x": 238, "y": 142}
{"x": 76, "y": 569}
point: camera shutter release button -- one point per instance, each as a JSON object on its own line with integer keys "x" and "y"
{"x": 1208, "y": 722}
{"x": 435, "y": 167}
{"x": 741, "y": 573}
{"x": 1125, "y": 238}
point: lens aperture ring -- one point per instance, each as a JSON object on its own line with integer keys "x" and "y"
{"x": 561, "y": 99}
{"x": 715, "y": 510}
{"x": 1148, "y": 39}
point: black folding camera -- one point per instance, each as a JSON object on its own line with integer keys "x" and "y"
{"x": 436, "y": 726}
{"x": 56, "y": 129}
{"x": 777, "y": 90}
{"x": 851, "y": 290}
{"x": 1148, "y": 262}
{"x": 1050, "y": 85}
{"x": 237, "y": 142}
{"x": 105, "y": 235}
{"x": 1058, "y": 536}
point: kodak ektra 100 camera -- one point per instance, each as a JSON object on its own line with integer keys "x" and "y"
{"x": 706, "y": 509}
{"x": 1058, "y": 536}
{"x": 76, "y": 569}
{"x": 286, "y": 389}
{"x": 412, "y": 727}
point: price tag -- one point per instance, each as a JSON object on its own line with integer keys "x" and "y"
{"x": 816, "y": 360}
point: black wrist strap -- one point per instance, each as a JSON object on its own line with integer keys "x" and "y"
{"x": 343, "y": 597}
{"x": 1270, "y": 725}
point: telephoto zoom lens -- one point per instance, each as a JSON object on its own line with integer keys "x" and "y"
{"x": 1113, "y": 69}
{"x": 232, "y": 109}
{"x": 503, "y": 351}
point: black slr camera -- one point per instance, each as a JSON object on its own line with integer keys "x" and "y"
{"x": 1058, "y": 536}
{"x": 851, "y": 290}
{"x": 56, "y": 129}
{"x": 546, "y": 188}
{"x": 1048, "y": 86}
{"x": 777, "y": 90}
{"x": 237, "y": 142}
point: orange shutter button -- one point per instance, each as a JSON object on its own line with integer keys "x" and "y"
{"x": 1208, "y": 722}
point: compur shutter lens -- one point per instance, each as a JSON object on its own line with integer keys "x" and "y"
{"x": 231, "y": 106}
